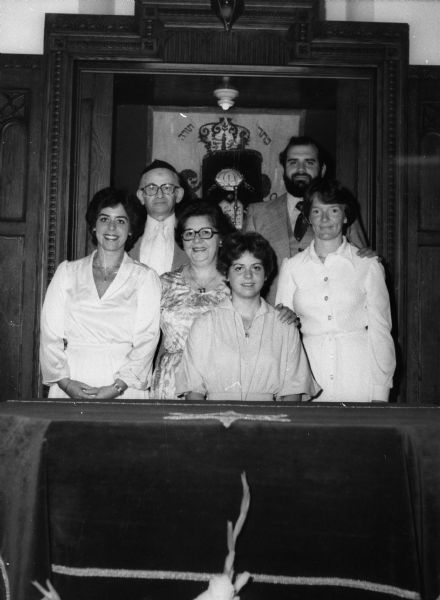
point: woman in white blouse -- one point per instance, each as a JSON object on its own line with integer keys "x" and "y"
{"x": 342, "y": 301}
{"x": 100, "y": 317}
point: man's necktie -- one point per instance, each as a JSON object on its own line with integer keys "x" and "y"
{"x": 158, "y": 253}
{"x": 301, "y": 224}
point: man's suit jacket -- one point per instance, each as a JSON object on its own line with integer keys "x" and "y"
{"x": 271, "y": 220}
{"x": 179, "y": 257}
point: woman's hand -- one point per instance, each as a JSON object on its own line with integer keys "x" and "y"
{"x": 286, "y": 315}
{"x": 110, "y": 392}
{"x": 77, "y": 389}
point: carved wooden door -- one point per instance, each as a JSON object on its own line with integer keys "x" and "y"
{"x": 21, "y": 206}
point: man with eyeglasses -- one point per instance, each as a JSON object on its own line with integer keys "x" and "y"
{"x": 159, "y": 191}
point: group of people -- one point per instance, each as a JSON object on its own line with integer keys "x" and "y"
{"x": 294, "y": 307}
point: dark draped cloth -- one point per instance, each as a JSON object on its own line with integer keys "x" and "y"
{"x": 345, "y": 501}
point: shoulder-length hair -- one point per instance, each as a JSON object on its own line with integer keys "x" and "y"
{"x": 110, "y": 197}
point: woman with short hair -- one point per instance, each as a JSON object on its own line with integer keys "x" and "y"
{"x": 241, "y": 350}
{"x": 190, "y": 290}
{"x": 342, "y": 302}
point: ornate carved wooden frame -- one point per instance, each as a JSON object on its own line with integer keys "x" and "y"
{"x": 280, "y": 37}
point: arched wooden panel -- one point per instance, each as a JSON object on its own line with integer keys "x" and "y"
{"x": 13, "y": 160}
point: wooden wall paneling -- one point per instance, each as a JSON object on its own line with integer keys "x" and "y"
{"x": 92, "y": 154}
{"x": 21, "y": 209}
{"x": 428, "y": 284}
{"x": 13, "y": 160}
{"x": 354, "y": 141}
{"x": 424, "y": 235}
{"x": 12, "y": 259}
{"x": 429, "y": 209}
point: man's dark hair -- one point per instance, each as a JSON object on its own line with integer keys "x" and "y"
{"x": 160, "y": 164}
{"x": 302, "y": 140}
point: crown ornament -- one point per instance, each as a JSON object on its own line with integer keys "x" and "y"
{"x": 224, "y": 135}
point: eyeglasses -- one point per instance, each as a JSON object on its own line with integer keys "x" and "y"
{"x": 205, "y": 233}
{"x": 166, "y": 188}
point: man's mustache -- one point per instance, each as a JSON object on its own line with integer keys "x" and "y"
{"x": 301, "y": 177}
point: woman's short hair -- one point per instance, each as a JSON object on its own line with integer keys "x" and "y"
{"x": 110, "y": 197}
{"x": 330, "y": 191}
{"x": 219, "y": 221}
{"x": 236, "y": 244}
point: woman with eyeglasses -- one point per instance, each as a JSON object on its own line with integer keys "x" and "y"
{"x": 190, "y": 290}
{"x": 100, "y": 317}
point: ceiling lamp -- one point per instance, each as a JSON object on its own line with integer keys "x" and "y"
{"x": 225, "y": 95}
{"x": 228, "y": 11}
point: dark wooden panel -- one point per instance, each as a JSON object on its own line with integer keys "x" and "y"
{"x": 13, "y": 156}
{"x": 429, "y": 297}
{"x": 423, "y": 252}
{"x": 353, "y": 142}
{"x": 21, "y": 205}
{"x": 429, "y": 210}
{"x": 11, "y": 315}
{"x": 93, "y": 154}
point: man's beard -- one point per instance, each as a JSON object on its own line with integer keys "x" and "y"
{"x": 298, "y": 187}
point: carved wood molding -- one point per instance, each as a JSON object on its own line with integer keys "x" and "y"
{"x": 20, "y": 61}
{"x": 423, "y": 72}
{"x": 13, "y": 104}
{"x": 54, "y": 162}
{"x": 281, "y": 33}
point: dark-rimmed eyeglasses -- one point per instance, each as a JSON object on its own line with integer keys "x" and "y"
{"x": 205, "y": 233}
{"x": 151, "y": 189}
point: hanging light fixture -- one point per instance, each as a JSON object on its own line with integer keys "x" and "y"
{"x": 228, "y": 11}
{"x": 226, "y": 95}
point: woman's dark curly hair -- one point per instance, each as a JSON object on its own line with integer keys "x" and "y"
{"x": 110, "y": 197}
{"x": 330, "y": 191}
{"x": 219, "y": 221}
{"x": 236, "y": 244}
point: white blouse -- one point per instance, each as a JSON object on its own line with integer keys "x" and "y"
{"x": 97, "y": 340}
{"x": 344, "y": 308}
